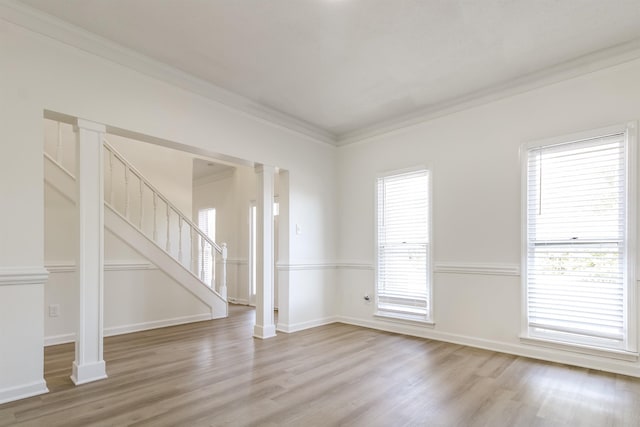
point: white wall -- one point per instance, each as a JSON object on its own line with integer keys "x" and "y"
{"x": 38, "y": 73}
{"x": 474, "y": 159}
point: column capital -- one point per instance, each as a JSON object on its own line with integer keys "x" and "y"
{"x": 89, "y": 125}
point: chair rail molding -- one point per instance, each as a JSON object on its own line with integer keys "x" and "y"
{"x": 119, "y": 265}
{"x": 28, "y": 275}
{"x": 489, "y": 269}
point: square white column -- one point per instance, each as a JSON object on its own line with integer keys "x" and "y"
{"x": 265, "y": 326}
{"x": 89, "y": 364}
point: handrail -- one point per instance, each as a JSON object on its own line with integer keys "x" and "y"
{"x": 194, "y": 232}
{"x": 141, "y": 177}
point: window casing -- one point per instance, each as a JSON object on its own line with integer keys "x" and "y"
{"x": 579, "y": 240}
{"x": 403, "y": 246}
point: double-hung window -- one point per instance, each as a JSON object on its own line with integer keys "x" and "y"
{"x": 403, "y": 246}
{"x": 578, "y": 235}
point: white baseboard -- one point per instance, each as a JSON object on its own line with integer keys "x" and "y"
{"x": 137, "y": 327}
{"x": 240, "y": 301}
{"x": 127, "y": 329}
{"x": 23, "y": 391}
{"x": 541, "y": 353}
{"x": 295, "y": 327}
{"x": 59, "y": 339}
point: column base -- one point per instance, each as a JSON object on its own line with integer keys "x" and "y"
{"x": 264, "y": 332}
{"x": 88, "y": 372}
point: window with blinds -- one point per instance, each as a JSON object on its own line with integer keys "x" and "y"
{"x": 403, "y": 246}
{"x": 576, "y": 282}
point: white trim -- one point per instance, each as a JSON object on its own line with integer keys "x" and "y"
{"x": 576, "y": 67}
{"x": 295, "y": 327}
{"x": 239, "y": 301}
{"x": 23, "y": 391}
{"x": 556, "y": 345}
{"x": 477, "y": 268}
{"x": 70, "y": 267}
{"x": 541, "y": 353}
{"x": 306, "y": 266}
{"x": 355, "y": 265}
{"x": 13, "y": 276}
{"x": 264, "y": 332}
{"x": 489, "y": 269}
{"x": 64, "y": 32}
{"x": 134, "y": 327}
{"x": 88, "y": 372}
{"x": 620, "y": 128}
{"x": 59, "y": 339}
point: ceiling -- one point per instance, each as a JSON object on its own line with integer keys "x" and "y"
{"x": 342, "y": 66}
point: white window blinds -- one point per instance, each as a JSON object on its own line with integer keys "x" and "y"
{"x": 576, "y": 242}
{"x": 403, "y": 288}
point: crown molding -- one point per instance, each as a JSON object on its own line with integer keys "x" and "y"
{"x": 582, "y": 65}
{"x": 57, "y": 29}
{"x": 42, "y": 23}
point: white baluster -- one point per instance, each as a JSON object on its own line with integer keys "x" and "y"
{"x": 192, "y": 265}
{"x": 213, "y": 267}
{"x": 155, "y": 217}
{"x": 59, "y": 145}
{"x": 180, "y": 238}
{"x": 168, "y": 246}
{"x": 126, "y": 191}
{"x": 141, "y": 204}
{"x": 202, "y": 257}
{"x": 111, "y": 177}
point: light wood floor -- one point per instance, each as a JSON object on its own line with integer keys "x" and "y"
{"x": 214, "y": 374}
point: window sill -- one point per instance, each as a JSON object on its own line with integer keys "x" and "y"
{"x": 404, "y": 320}
{"x": 583, "y": 349}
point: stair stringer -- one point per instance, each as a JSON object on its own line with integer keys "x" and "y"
{"x": 129, "y": 234}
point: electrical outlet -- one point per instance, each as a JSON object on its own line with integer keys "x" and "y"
{"x": 54, "y": 310}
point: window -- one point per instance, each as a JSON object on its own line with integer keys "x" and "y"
{"x": 403, "y": 246}
{"x": 207, "y": 223}
{"x": 578, "y": 268}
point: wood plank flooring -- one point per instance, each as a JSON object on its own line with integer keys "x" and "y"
{"x": 214, "y": 374}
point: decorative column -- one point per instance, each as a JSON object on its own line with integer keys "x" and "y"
{"x": 264, "y": 327}
{"x": 89, "y": 364}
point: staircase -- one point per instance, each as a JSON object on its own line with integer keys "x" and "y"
{"x": 136, "y": 212}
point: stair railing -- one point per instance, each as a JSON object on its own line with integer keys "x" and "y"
{"x": 134, "y": 198}
{"x": 130, "y": 194}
